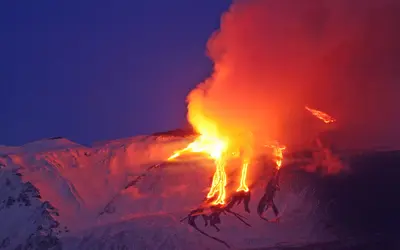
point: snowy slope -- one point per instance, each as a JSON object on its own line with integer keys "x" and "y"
{"x": 81, "y": 181}
{"x": 5, "y": 150}
{"x": 26, "y": 220}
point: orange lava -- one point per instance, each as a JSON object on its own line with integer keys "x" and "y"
{"x": 278, "y": 154}
{"x": 321, "y": 115}
{"x": 243, "y": 186}
{"x": 211, "y": 143}
{"x": 219, "y": 183}
{"x": 212, "y": 146}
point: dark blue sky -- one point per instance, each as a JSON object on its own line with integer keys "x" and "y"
{"x": 97, "y": 70}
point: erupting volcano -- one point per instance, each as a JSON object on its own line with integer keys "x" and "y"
{"x": 220, "y": 147}
{"x": 295, "y": 88}
{"x": 245, "y": 110}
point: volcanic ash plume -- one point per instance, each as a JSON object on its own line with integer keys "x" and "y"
{"x": 273, "y": 58}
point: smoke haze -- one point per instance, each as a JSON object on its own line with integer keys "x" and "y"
{"x": 271, "y": 58}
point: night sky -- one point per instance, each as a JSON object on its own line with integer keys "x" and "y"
{"x": 99, "y": 70}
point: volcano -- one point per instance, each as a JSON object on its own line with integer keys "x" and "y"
{"x": 54, "y": 193}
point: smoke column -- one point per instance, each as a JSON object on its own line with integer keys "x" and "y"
{"x": 271, "y": 58}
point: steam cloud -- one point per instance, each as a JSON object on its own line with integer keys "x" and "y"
{"x": 271, "y": 58}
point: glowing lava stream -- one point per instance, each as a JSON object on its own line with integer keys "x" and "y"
{"x": 212, "y": 146}
{"x": 243, "y": 186}
{"x": 219, "y": 183}
{"x": 278, "y": 153}
{"x": 215, "y": 148}
{"x": 321, "y": 115}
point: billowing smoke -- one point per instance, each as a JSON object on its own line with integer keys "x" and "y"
{"x": 273, "y": 57}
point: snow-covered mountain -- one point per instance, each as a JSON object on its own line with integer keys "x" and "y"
{"x": 56, "y": 194}
{"x": 27, "y": 220}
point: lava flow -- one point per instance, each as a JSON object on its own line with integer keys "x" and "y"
{"x": 267, "y": 200}
{"x": 243, "y": 186}
{"x": 321, "y": 115}
{"x": 216, "y": 147}
{"x": 210, "y": 143}
{"x": 278, "y": 153}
